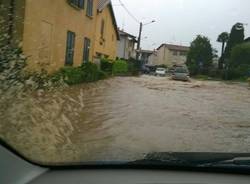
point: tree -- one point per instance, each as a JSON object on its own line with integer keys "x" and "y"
{"x": 239, "y": 65}
{"x": 200, "y": 56}
{"x": 240, "y": 55}
{"x": 236, "y": 37}
{"x": 222, "y": 38}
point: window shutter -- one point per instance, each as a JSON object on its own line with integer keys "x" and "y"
{"x": 70, "y": 48}
{"x": 81, "y": 4}
{"x": 90, "y": 7}
{"x": 86, "y": 50}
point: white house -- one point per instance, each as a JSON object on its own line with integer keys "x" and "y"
{"x": 169, "y": 55}
{"x": 126, "y": 45}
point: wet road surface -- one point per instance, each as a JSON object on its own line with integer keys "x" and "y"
{"x": 124, "y": 118}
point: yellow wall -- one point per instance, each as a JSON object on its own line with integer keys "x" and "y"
{"x": 109, "y": 43}
{"x": 41, "y": 28}
{"x": 45, "y": 32}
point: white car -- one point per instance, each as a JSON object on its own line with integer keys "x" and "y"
{"x": 160, "y": 72}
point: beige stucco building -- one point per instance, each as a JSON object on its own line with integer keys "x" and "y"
{"x": 169, "y": 55}
{"x": 57, "y": 33}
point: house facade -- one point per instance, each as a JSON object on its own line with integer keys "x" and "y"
{"x": 144, "y": 56}
{"x": 106, "y": 31}
{"x": 54, "y": 34}
{"x": 126, "y": 45}
{"x": 169, "y": 55}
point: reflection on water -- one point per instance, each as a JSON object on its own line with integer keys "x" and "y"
{"x": 124, "y": 118}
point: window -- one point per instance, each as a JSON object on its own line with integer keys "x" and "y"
{"x": 183, "y": 53}
{"x": 77, "y": 3}
{"x": 102, "y": 28}
{"x": 90, "y": 8}
{"x": 86, "y": 49}
{"x": 70, "y": 48}
{"x": 175, "y": 53}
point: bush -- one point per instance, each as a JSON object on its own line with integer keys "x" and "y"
{"x": 106, "y": 66}
{"x": 240, "y": 55}
{"x": 239, "y": 63}
{"x": 103, "y": 75}
{"x": 240, "y": 72}
{"x": 12, "y": 63}
{"x": 134, "y": 67}
{"x": 70, "y": 75}
{"x": 88, "y": 72}
{"x": 120, "y": 67}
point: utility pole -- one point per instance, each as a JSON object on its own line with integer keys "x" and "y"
{"x": 139, "y": 42}
{"x": 139, "y": 38}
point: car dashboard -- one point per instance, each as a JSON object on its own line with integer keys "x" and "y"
{"x": 16, "y": 170}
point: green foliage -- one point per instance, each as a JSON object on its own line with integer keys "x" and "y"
{"x": 12, "y": 63}
{"x": 88, "y": 72}
{"x": 236, "y": 37}
{"x": 120, "y": 67}
{"x": 106, "y": 65}
{"x": 240, "y": 72}
{"x": 133, "y": 66}
{"x": 239, "y": 63}
{"x": 103, "y": 75}
{"x": 240, "y": 55}
{"x": 222, "y": 38}
{"x": 70, "y": 75}
{"x": 200, "y": 56}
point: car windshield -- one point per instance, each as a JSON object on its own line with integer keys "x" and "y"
{"x": 90, "y": 81}
{"x": 181, "y": 70}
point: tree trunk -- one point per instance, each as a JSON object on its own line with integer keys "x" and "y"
{"x": 221, "y": 60}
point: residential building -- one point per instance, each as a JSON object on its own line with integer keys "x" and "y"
{"x": 144, "y": 56}
{"x": 106, "y": 31}
{"x": 169, "y": 55}
{"x": 54, "y": 34}
{"x": 126, "y": 45}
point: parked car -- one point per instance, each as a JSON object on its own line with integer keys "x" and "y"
{"x": 145, "y": 70}
{"x": 160, "y": 72}
{"x": 171, "y": 70}
{"x": 181, "y": 73}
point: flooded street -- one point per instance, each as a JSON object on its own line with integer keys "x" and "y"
{"x": 124, "y": 118}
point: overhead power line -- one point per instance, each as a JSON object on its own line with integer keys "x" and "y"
{"x": 129, "y": 13}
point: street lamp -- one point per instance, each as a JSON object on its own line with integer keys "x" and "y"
{"x": 139, "y": 38}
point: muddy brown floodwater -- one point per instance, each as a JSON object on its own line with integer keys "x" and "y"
{"x": 124, "y": 118}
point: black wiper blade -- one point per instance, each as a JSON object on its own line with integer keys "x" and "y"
{"x": 237, "y": 161}
{"x": 194, "y": 159}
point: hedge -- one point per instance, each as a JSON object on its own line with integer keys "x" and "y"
{"x": 120, "y": 67}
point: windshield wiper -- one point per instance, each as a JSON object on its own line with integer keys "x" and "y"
{"x": 192, "y": 159}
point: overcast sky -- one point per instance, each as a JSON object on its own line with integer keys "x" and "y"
{"x": 179, "y": 21}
